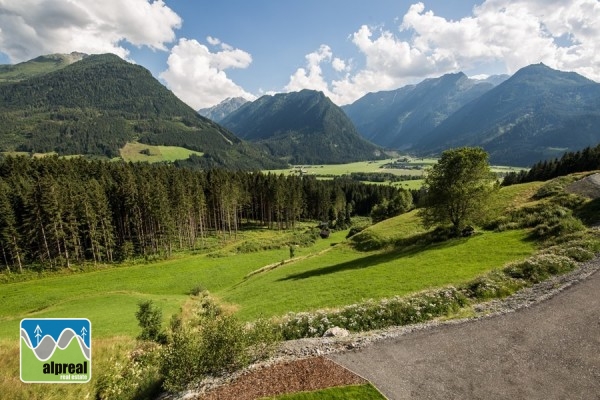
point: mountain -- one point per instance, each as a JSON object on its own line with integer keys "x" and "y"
{"x": 538, "y": 113}
{"x": 220, "y": 111}
{"x": 303, "y": 127}
{"x": 38, "y": 66}
{"x": 400, "y": 118}
{"x": 96, "y": 105}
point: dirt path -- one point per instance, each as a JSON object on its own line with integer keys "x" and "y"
{"x": 550, "y": 350}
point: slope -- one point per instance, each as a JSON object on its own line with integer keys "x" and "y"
{"x": 96, "y": 105}
{"x": 399, "y": 118}
{"x": 223, "y": 109}
{"x": 301, "y": 127}
{"x": 38, "y": 66}
{"x": 538, "y": 113}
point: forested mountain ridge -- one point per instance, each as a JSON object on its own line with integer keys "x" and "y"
{"x": 96, "y": 105}
{"x": 399, "y": 118}
{"x": 302, "y": 127}
{"x": 538, "y": 113}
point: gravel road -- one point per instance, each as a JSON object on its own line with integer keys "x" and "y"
{"x": 547, "y": 350}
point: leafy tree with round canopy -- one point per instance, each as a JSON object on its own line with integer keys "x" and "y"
{"x": 458, "y": 189}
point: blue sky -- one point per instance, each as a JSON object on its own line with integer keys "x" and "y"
{"x": 206, "y": 51}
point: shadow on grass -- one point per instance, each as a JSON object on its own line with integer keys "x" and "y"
{"x": 589, "y": 212}
{"x": 374, "y": 259}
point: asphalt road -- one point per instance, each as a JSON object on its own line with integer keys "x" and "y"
{"x": 548, "y": 351}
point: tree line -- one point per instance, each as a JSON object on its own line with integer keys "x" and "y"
{"x": 57, "y": 212}
{"x": 587, "y": 159}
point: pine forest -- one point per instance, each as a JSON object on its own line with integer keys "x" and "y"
{"x": 57, "y": 212}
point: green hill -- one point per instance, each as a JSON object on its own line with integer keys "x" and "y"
{"x": 301, "y": 127}
{"x": 38, "y": 66}
{"x": 97, "y": 105}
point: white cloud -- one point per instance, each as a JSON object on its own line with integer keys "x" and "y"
{"x": 213, "y": 41}
{"x": 197, "y": 76}
{"x": 312, "y": 77}
{"x": 34, "y": 27}
{"x": 339, "y": 65}
{"x": 560, "y": 33}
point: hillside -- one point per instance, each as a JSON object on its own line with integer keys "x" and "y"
{"x": 538, "y": 113}
{"x": 400, "y": 118}
{"x": 98, "y": 104}
{"x": 38, "y": 66}
{"x": 302, "y": 128}
{"x": 223, "y": 109}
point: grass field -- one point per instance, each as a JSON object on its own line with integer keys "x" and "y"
{"x": 133, "y": 152}
{"x": 414, "y": 167}
{"x": 330, "y": 273}
{"x": 361, "y": 166}
{"x": 354, "y": 392}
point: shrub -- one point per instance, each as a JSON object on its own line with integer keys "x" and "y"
{"x": 493, "y": 285}
{"x": 136, "y": 376}
{"x": 354, "y": 230}
{"x": 214, "y": 344}
{"x": 150, "y": 319}
{"x": 370, "y": 314}
{"x": 196, "y": 290}
{"x": 262, "y": 339}
{"x": 537, "y": 268}
{"x": 575, "y": 253}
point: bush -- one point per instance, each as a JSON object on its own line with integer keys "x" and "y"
{"x": 537, "y": 268}
{"x": 374, "y": 315}
{"x": 354, "y": 230}
{"x": 491, "y": 286}
{"x": 214, "y": 344}
{"x": 150, "y": 319}
{"x": 196, "y": 290}
{"x": 136, "y": 376}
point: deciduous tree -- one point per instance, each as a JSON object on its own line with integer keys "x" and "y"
{"x": 458, "y": 188}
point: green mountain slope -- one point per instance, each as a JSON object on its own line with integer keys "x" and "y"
{"x": 538, "y": 113}
{"x": 400, "y": 118}
{"x": 38, "y": 66}
{"x": 96, "y": 105}
{"x": 301, "y": 127}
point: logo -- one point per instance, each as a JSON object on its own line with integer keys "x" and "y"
{"x": 56, "y": 350}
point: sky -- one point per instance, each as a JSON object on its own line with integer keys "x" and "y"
{"x": 206, "y": 51}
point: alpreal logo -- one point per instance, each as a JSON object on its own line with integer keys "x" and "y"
{"x": 56, "y": 350}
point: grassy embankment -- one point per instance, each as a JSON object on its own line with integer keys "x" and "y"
{"x": 330, "y": 273}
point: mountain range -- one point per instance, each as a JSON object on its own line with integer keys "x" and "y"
{"x": 98, "y": 103}
{"x": 538, "y": 113}
{"x": 218, "y": 112}
{"x": 303, "y": 127}
{"x": 399, "y": 118}
{"x": 95, "y": 104}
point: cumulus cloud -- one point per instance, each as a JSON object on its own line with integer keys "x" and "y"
{"x": 197, "y": 75}
{"x": 514, "y": 33}
{"x": 311, "y": 77}
{"x": 34, "y": 27}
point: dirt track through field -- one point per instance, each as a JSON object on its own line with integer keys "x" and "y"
{"x": 550, "y": 350}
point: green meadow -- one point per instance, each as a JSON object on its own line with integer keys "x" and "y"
{"x": 144, "y": 152}
{"x": 330, "y": 273}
